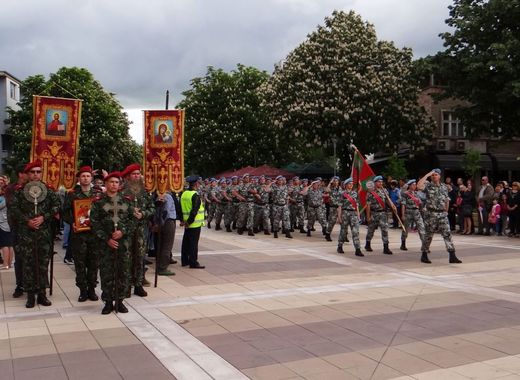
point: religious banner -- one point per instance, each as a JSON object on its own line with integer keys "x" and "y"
{"x": 55, "y": 139}
{"x": 81, "y": 209}
{"x": 164, "y": 150}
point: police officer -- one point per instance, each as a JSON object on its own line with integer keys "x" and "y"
{"x": 192, "y": 220}
{"x": 436, "y": 214}
{"x": 348, "y": 216}
{"x": 377, "y": 202}
{"x": 411, "y": 206}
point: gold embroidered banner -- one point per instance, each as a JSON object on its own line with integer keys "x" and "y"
{"x": 164, "y": 150}
{"x": 55, "y": 139}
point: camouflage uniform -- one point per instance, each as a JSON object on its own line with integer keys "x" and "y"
{"x": 315, "y": 209}
{"x": 144, "y": 202}
{"x": 412, "y": 215}
{"x": 297, "y": 208}
{"x": 34, "y": 246}
{"x": 234, "y": 204}
{"x": 211, "y": 205}
{"x": 279, "y": 195}
{"x": 349, "y": 218}
{"x": 378, "y": 215}
{"x": 221, "y": 206}
{"x": 245, "y": 215}
{"x": 435, "y": 216}
{"x": 335, "y": 202}
{"x": 103, "y": 227}
{"x": 262, "y": 211}
{"x": 84, "y": 244}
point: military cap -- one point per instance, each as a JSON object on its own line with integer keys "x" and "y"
{"x": 213, "y": 180}
{"x": 84, "y": 169}
{"x": 129, "y": 169}
{"x": 245, "y": 175}
{"x": 318, "y": 179}
{"x": 410, "y": 182}
{"x": 222, "y": 180}
{"x": 378, "y": 178}
{"x": 234, "y": 177}
{"x": 348, "y": 180}
{"x": 31, "y": 165}
{"x": 335, "y": 177}
{"x": 112, "y": 175}
{"x": 279, "y": 177}
{"x": 315, "y": 182}
{"x": 437, "y": 170}
{"x": 192, "y": 178}
{"x": 295, "y": 178}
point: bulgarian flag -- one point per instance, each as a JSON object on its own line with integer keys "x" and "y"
{"x": 362, "y": 176}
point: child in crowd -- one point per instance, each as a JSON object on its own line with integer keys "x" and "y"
{"x": 494, "y": 217}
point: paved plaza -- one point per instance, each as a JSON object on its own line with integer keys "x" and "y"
{"x": 282, "y": 308}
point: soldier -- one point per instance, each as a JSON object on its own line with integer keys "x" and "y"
{"x": 296, "y": 205}
{"x": 280, "y": 197}
{"x": 262, "y": 212}
{"x": 245, "y": 194}
{"x": 112, "y": 218}
{"x": 144, "y": 209}
{"x": 335, "y": 202}
{"x": 233, "y": 189}
{"x": 211, "y": 201}
{"x": 377, "y": 202}
{"x": 33, "y": 219}
{"x": 348, "y": 215}
{"x": 222, "y": 202}
{"x": 83, "y": 242}
{"x": 316, "y": 209}
{"x": 411, "y": 206}
{"x": 436, "y": 214}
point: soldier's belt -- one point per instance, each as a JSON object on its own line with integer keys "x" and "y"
{"x": 377, "y": 210}
{"x": 314, "y": 206}
{"x": 435, "y": 210}
{"x": 280, "y": 204}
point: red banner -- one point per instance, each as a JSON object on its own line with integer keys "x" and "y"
{"x": 55, "y": 139}
{"x": 164, "y": 150}
{"x": 362, "y": 176}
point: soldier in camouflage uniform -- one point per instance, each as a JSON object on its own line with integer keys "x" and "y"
{"x": 316, "y": 209}
{"x": 83, "y": 242}
{"x": 245, "y": 194}
{"x": 348, "y": 216}
{"x": 144, "y": 209}
{"x": 35, "y": 243}
{"x": 233, "y": 190}
{"x": 262, "y": 210}
{"x": 112, "y": 219}
{"x": 223, "y": 202}
{"x": 436, "y": 214}
{"x": 296, "y": 204}
{"x": 211, "y": 201}
{"x": 280, "y": 197}
{"x": 411, "y": 206}
{"x": 377, "y": 202}
{"x": 335, "y": 194}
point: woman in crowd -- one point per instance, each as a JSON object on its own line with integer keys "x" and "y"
{"x": 513, "y": 206}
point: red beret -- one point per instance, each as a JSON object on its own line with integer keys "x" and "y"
{"x": 112, "y": 175}
{"x": 30, "y": 165}
{"x": 130, "y": 168}
{"x": 84, "y": 169}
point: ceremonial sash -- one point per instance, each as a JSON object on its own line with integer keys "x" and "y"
{"x": 415, "y": 200}
{"x": 351, "y": 200}
{"x": 378, "y": 199}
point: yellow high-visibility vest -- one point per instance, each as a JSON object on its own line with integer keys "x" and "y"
{"x": 186, "y": 209}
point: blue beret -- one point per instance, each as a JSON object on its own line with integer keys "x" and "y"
{"x": 378, "y": 178}
{"x": 348, "y": 180}
{"x": 437, "y": 170}
{"x": 279, "y": 177}
{"x": 234, "y": 177}
{"x": 213, "y": 180}
{"x": 245, "y": 175}
{"x": 410, "y": 182}
{"x": 317, "y": 179}
{"x": 335, "y": 177}
{"x": 295, "y": 178}
{"x": 222, "y": 180}
{"x": 192, "y": 178}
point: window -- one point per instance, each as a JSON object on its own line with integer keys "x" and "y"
{"x": 451, "y": 126}
{"x": 6, "y": 143}
{"x": 12, "y": 90}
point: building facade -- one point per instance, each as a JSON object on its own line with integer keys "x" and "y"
{"x": 9, "y": 97}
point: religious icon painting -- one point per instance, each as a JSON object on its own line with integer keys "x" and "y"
{"x": 82, "y": 214}
{"x": 55, "y": 138}
{"x": 164, "y": 150}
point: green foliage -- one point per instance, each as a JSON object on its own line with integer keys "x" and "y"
{"x": 471, "y": 162}
{"x": 225, "y": 126}
{"x": 395, "y": 168}
{"x": 343, "y": 83}
{"x": 481, "y": 64}
{"x": 104, "y": 138}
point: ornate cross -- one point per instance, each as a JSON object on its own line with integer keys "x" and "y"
{"x": 114, "y": 207}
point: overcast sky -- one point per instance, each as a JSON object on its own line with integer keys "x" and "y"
{"x": 138, "y": 49}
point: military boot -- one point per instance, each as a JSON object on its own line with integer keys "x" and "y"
{"x": 217, "y": 227}
{"x": 403, "y": 245}
{"x": 92, "y": 294}
{"x": 386, "y": 250}
{"x": 424, "y": 258}
{"x": 368, "y": 248}
{"x": 139, "y": 291}
{"x": 108, "y": 308}
{"x": 31, "y": 300}
{"x": 41, "y": 299}
{"x": 453, "y": 258}
{"x": 83, "y": 295}
{"x": 308, "y": 232}
{"x": 340, "y": 248}
{"x": 327, "y": 237}
{"x": 228, "y": 228}
{"x": 359, "y": 253}
{"x": 324, "y": 230}
{"x": 234, "y": 225}
{"x": 120, "y": 307}
{"x": 255, "y": 230}
{"x": 240, "y": 231}
{"x": 288, "y": 234}
{"x": 302, "y": 230}
{"x": 209, "y": 225}
{"x": 250, "y": 232}
{"x": 266, "y": 232}
{"x": 275, "y": 234}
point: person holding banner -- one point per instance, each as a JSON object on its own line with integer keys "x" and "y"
{"x": 377, "y": 202}
{"x": 83, "y": 242}
{"x": 348, "y": 216}
{"x": 411, "y": 206}
{"x": 33, "y": 209}
{"x": 436, "y": 214}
